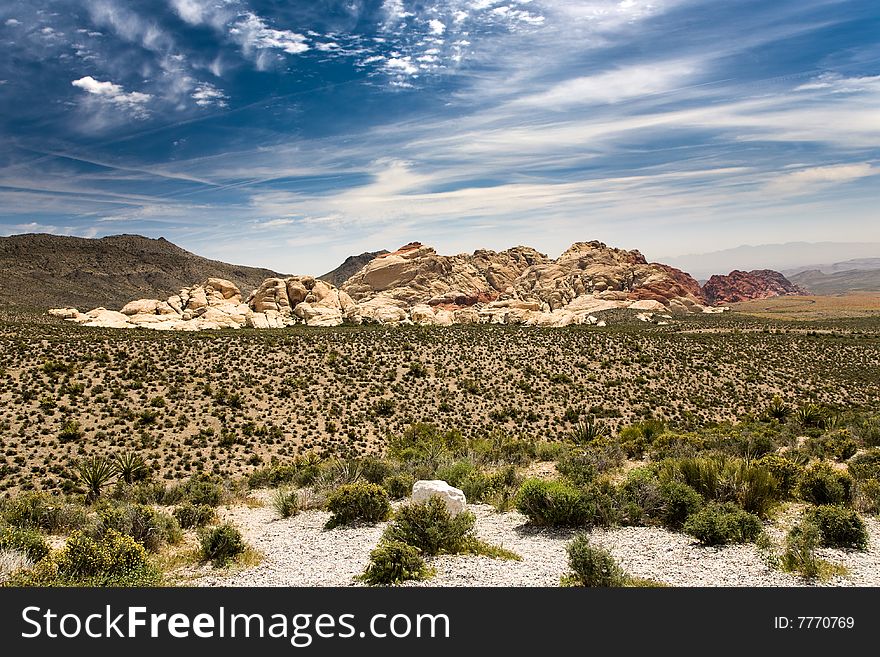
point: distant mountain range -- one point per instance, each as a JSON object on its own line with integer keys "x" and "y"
{"x": 41, "y": 271}
{"x": 838, "y": 282}
{"x": 790, "y": 258}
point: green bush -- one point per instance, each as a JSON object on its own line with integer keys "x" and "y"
{"x": 800, "y": 550}
{"x": 375, "y": 470}
{"x": 577, "y": 466}
{"x": 838, "y": 526}
{"x": 720, "y": 524}
{"x": 868, "y": 496}
{"x": 273, "y": 476}
{"x": 822, "y": 484}
{"x": 554, "y": 503}
{"x": 358, "y": 501}
{"x": 678, "y": 502}
{"x": 725, "y": 479}
{"x": 868, "y": 432}
{"x": 143, "y": 523}
{"x": 430, "y": 527}
{"x": 865, "y": 465}
{"x": 392, "y": 562}
{"x": 640, "y": 497}
{"x": 40, "y": 511}
{"x": 399, "y": 485}
{"x": 837, "y": 444}
{"x": 286, "y": 502}
{"x": 593, "y": 566}
{"x": 222, "y": 544}
{"x": 111, "y": 559}
{"x": 785, "y": 471}
{"x": 28, "y": 541}
{"x": 203, "y": 489}
{"x": 189, "y": 515}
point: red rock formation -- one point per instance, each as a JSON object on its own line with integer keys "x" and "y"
{"x": 747, "y": 285}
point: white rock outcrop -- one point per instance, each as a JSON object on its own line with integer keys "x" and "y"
{"x": 453, "y": 497}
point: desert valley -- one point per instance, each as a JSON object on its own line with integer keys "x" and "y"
{"x": 593, "y": 419}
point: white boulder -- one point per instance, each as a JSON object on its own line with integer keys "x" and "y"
{"x": 451, "y": 496}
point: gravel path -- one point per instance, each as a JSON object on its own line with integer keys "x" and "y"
{"x": 299, "y": 552}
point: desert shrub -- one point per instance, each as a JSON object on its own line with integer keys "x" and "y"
{"x": 838, "y": 526}
{"x": 273, "y": 476}
{"x": 41, "y": 511}
{"x": 286, "y": 502}
{"x": 867, "y": 496}
{"x": 28, "y": 541}
{"x": 111, "y": 559}
{"x": 778, "y": 409}
{"x": 676, "y": 445}
{"x": 822, "y": 484}
{"x": 12, "y": 562}
{"x": 785, "y": 471}
{"x": 143, "y": 523}
{"x": 392, "y": 562}
{"x": 399, "y": 485}
{"x": 423, "y": 441}
{"x": 635, "y": 439}
{"x": 375, "y": 470}
{"x": 549, "y": 451}
{"x": 70, "y": 432}
{"x": 592, "y": 566}
{"x": 577, "y": 466}
{"x": 678, "y": 502}
{"x": 641, "y": 499}
{"x": 723, "y": 523}
{"x": 189, "y": 515}
{"x": 456, "y": 473}
{"x": 865, "y": 465}
{"x": 358, "y": 501}
{"x": 199, "y": 489}
{"x": 477, "y": 486}
{"x": 837, "y": 444}
{"x": 221, "y": 544}
{"x": 430, "y": 527}
{"x": 868, "y": 432}
{"x": 725, "y": 479}
{"x": 799, "y": 555}
{"x": 554, "y": 503}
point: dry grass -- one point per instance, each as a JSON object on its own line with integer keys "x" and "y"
{"x": 856, "y": 304}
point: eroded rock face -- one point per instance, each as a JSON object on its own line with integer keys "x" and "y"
{"x": 415, "y": 285}
{"x": 747, "y": 285}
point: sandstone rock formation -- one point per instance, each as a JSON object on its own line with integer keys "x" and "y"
{"x": 415, "y": 285}
{"x": 746, "y": 285}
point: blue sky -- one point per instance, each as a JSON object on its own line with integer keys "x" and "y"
{"x": 291, "y": 134}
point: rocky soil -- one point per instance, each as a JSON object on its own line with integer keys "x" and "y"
{"x": 299, "y": 552}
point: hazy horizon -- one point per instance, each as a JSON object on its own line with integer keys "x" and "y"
{"x": 291, "y": 135}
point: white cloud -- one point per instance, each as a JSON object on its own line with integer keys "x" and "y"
{"x": 253, "y": 33}
{"x": 134, "y": 101}
{"x": 636, "y": 81}
{"x": 437, "y": 27}
{"x": 13, "y": 22}
{"x": 838, "y": 84}
{"x": 807, "y": 180}
{"x": 206, "y": 94}
{"x": 401, "y": 65}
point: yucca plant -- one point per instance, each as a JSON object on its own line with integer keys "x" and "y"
{"x": 810, "y": 416}
{"x": 587, "y": 431}
{"x": 130, "y": 466}
{"x": 95, "y": 473}
{"x": 778, "y": 409}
